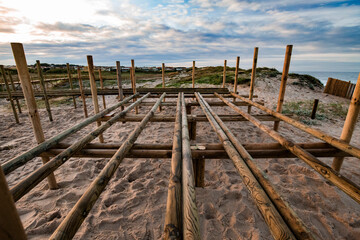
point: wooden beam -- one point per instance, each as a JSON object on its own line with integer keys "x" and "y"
{"x": 43, "y": 88}
{"x": 94, "y": 91}
{"x": 163, "y": 74}
{"x": 284, "y": 77}
{"x": 11, "y": 226}
{"x": 327, "y": 172}
{"x": 191, "y": 228}
{"x": 102, "y": 87}
{"x": 173, "y": 216}
{"x": 253, "y": 76}
{"x": 224, "y": 75}
{"x": 79, "y": 212}
{"x": 134, "y": 81}
{"x": 9, "y": 94}
{"x": 70, "y": 82}
{"x": 236, "y": 74}
{"x": 14, "y": 89}
{"x": 350, "y": 123}
{"x": 119, "y": 81}
{"x": 193, "y": 74}
{"x": 82, "y": 92}
{"x": 24, "y": 76}
{"x": 315, "y": 105}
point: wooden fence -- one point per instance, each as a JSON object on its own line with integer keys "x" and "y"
{"x": 339, "y": 88}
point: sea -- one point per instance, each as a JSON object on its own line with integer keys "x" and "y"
{"x": 323, "y": 76}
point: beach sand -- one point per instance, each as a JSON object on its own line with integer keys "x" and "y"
{"x": 133, "y": 204}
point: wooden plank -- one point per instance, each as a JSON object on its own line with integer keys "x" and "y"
{"x": 24, "y": 76}
{"x": 350, "y": 122}
{"x": 191, "y": 228}
{"x": 284, "y": 77}
{"x": 79, "y": 212}
{"x": 94, "y": 91}
{"x": 43, "y": 88}
{"x": 173, "y": 216}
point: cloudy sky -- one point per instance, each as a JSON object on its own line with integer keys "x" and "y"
{"x": 325, "y": 34}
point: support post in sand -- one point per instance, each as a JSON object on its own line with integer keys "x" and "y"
{"x": 284, "y": 77}
{"x": 236, "y": 74}
{"x": 79, "y": 212}
{"x": 43, "y": 86}
{"x": 24, "y": 76}
{"x": 193, "y": 75}
{"x": 350, "y": 122}
{"x": 163, "y": 80}
{"x": 119, "y": 81}
{"x": 9, "y": 94}
{"x": 14, "y": 89}
{"x": 191, "y": 228}
{"x": 173, "y": 216}
{"x": 70, "y": 82}
{"x": 314, "y": 109}
{"x": 134, "y": 82}
{"x": 11, "y": 226}
{"x": 94, "y": 91}
{"x": 200, "y": 172}
{"x": 224, "y": 74}
{"x": 253, "y": 75}
{"x": 82, "y": 92}
{"x": 102, "y": 87}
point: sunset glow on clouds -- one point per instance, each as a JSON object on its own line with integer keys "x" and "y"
{"x": 325, "y": 34}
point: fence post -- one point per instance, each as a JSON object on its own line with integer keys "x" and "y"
{"x": 43, "y": 86}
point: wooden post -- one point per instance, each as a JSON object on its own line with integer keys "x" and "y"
{"x": 253, "y": 75}
{"x": 102, "y": 87}
{"x": 284, "y": 77}
{"x": 11, "y": 226}
{"x": 24, "y": 76}
{"x": 82, "y": 92}
{"x": 236, "y": 74}
{"x": 224, "y": 74}
{"x": 94, "y": 91}
{"x": 350, "y": 123}
{"x": 14, "y": 89}
{"x": 119, "y": 81}
{"x": 70, "y": 81}
{"x": 200, "y": 172}
{"x": 313, "y": 113}
{"x": 173, "y": 216}
{"x": 193, "y": 75}
{"x": 9, "y": 94}
{"x": 43, "y": 86}
{"x": 134, "y": 82}
{"x": 163, "y": 75}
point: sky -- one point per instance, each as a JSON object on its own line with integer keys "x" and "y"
{"x": 325, "y": 34}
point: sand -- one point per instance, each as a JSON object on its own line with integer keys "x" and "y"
{"x": 133, "y": 204}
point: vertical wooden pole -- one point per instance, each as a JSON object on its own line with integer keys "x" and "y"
{"x": 11, "y": 226}
{"x": 163, "y": 74}
{"x": 193, "y": 75}
{"x": 119, "y": 81}
{"x": 134, "y": 82}
{"x": 24, "y": 76}
{"x": 43, "y": 87}
{"x": 14, "y": 89}
{"x": 253, "y": 75}
{"x": 313, "y": 113}
{"x": 82, "y": 92}
{"x": 9, "y": 94}
{"x": 70, "y": 81}
{"x": 224, "y": 74}
{"x": 284, "y": 77}
{"x": 94, "y": 91}
{"x": 102, "y": 87}
{"x": 200, "y": 173}
{"x": 350, "y": 123}
{"x": 236, "y": 74}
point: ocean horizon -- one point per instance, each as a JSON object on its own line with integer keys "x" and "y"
{"x": 323, "y": 76}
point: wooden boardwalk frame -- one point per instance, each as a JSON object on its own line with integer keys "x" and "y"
{"x": 187, "y": 164}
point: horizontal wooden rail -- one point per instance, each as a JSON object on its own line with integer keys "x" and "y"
{"x": 20, "y": 160}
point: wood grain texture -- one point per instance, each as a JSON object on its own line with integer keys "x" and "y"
{"x": 173, "y": 216}
{"x": 24, "y": 76}
{"x": 79, "y": 212}
{"x": 70, "y": 82}
{"x": 326, "y": 171}
{"x": 338, "y": 143}
{"x": 82, "y": 92}
{"x": 191, "y": 228}
{"x": 94, "y": 91}
{"x": 23, "y": 187}
{"x": 273, "y": 219}
{"x": 284, "y": 77}
{"x": 43, "y": 88}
